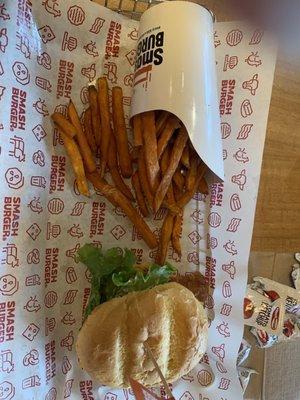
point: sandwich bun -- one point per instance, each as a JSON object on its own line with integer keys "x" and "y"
{"x": 168, "y": 317}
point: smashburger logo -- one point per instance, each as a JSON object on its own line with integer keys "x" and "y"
{"x": 150, "y": 52}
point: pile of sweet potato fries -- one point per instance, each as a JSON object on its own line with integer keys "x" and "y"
{"x": 164, "y": 168}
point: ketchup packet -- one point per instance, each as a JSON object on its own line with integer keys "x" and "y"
{"x": 263, "y": 313}
{"x": 243, "y": 353}
{"x": 277, "y": 291}
{"x": 244, "y": 376}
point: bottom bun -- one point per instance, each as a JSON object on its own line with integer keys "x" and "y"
{"x": 110, "y": 345}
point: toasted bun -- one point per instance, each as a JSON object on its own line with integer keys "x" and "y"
{"x": 110, "y": 345}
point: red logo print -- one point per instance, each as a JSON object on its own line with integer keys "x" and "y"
{"x": 39, "y": 132}
{"x": 224, "y": 384}
{"x": 76, "y": 15}
{"x": 35, "y": 205}
{"x": 230, "y": 269}
{"x": 246, "y": 108}
{"x": 50, "y": 299}
{"x": 43, "y": 83}
{"x": 205, "y": 378}
{"x": 72, "y": 252}
{"x": 241, "y": 156}
{"x": 234, "y": 37}
{"x": 194, "y": 237}
{"x": 75, "y": 231}
{"x": 53, "y": 230}
{"x": 251, "y": 85}
{"x": 32, "y": 305}
{"x": 223, "y": 329}
{"x": 33, "y": 257}
{"x": 235, "y": 202}
{"x": 38, "y": 181}
{"x": 21, "y": 73}
{"x": 32, "y": 280}
{"x": 70, "y": 296}
{"x": 118, "y": 231}
{"x": 219, "y": 351}
{"x": 240, "y": 179}
{"x": 193, "y": 258}
{"x": 97, "y": 25}
{"x": 66, "y": 365}
{"x": 33, "y": 231}
{"x": 197, "y": 216}
{"x": 186, "y": 396}
{"x": 133, "y": 35}
{"x": 68, "y": 341}
{"x": 253, "y": 60}
{"x": 226, "y": 289}
{"x": 38, "y": 158}
{"x": 131, "y": 56}
{"x": 217, "y": 41}
{"x": 23, "y": 45}
{"x": 11, "y": 255}
{"x": 233, "y": 225}
{"x": 68, "y": 388}
{"x": 31, "y": 358}
{"x": 18, "y": 150}
{"x": 212, "y": 242}
{"x": 46, "y": 34}
{"x": 51, "y": 6}
{"x": 8, "y": 285}
{"x": 89, "y": 72}
{"x": 256, "y": 37}
{"x": 7, "y": 390}
{"x": 230, "y": 62}
{"x": 30, "y": 332}
{"x": 230, "y": 247}
{"x": 78, "y": 208}
{"x": 44, "y": 60}
{"x": 90, "y": 49}
{"x": 55, "y": 206}
{"x": 3, "y": 12}
{"x": 226, "y": 309}
{"x": 68, "y": 319}
{"x": 49, "y": 325}
{"x": 225, "y": 130}
{"x": 31, "y": 381}
{"x": 6, "y": 361}
{"x": 41, "y": 107}
{"x": 71, "y": 276}
{"x": 220, "y": 367}
{"x": 14, "y": 178}
{"x": 128, "y": 80}
{"x": 68, "y": 42}
{"x": 214, "y": 219}
{"x": 51, "y": 395}
{"x": 111, "y": 72}
{"x": 3, "y": 39}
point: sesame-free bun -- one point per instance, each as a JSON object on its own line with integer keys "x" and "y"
{"x": 168, "y": 317}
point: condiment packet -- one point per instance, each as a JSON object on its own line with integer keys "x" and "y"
{"x": 295, "y": 274}
{"x": 243, "y": 353}
{"x": 244, "y": 376}
{"x": 275, "y": 291}
{"x": 262, "y": 312}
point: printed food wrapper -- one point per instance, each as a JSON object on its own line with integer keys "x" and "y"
{"x": 176, "y": 71}
{"x": 50, "y": 51}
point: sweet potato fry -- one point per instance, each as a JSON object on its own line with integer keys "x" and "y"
{"x": 165, "y": 237}
{"x": 171, "y": 125}
{"x": 150, "y": 146}
{"x": 191, "y": 174}
{"x": 185, "y": 158}
{"x": 117, "y": 198}
{"x": 165, "y": 159}
{"x": 134, "y": 154}
{"x": 179, "y": 179}
{"x": 103, "y": 104}
{"x": 177, "y": 150}
{"x": 96, "y": 122}
{"x": 139, "y": 194}
{"x": 188, "y": 195}
{"x": 84, "y": 147}
{"x": 120, "y": 132}
{"x": 160, "y": 122}
{"x": 137, "y": 130}
{"x": 88, "y": 129}
{"x": 142, "y": 171}
{"x": 176, "y": 233}
{"x": 64, "y": 125}
{"x": 203, "y": 186}
{"x": 76, "y": 161}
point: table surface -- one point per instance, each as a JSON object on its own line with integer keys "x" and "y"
{"x": 277, "y": 219}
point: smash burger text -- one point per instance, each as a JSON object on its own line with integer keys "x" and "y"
{"x": 150, "y": 50}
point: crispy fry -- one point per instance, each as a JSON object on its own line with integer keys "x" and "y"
{"x": 134, "y": 154}
{"x": 165, "y": 237}
{"x": 161, "y": 122}
{"x": 203, "y": 186}
{"x": 63, "y": 124}
{"x": 142, "y": 171}
{"x": 179, "y": 179}
{"x": 176, "y": 233}
{"x": 137, "y": 130}
{"x": 191, "y": 174}
{"x": 185, "y": 158}
{"x": 139, "y": 195}
{"x": 171, "y": 125}
{"x": 188, "y": 195}
{"x": 164, "y": 166}
{"x": 150, "y": 145}
{"x": 96, "y": 122}
{"x": 120, "y": 132}
{"x": 82, "y": 141}
{"x": 116, "y": 197}
{"x": 103, "y": 104}
{"x": 76, "y": 161}
{"x": 88, "y": 129}
{"x": 177, "y": 150}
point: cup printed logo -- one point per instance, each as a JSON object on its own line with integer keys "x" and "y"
{"x": 149, "y": 54}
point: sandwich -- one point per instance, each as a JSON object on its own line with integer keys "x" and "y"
{"x": 132, "y": 308}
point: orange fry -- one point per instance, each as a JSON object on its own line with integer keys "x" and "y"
{"x": 77, "y": 163}
{"x": 177, "y": 150}
{"x": 106, "y": 132}
{"x": 191, "y": 174}
{"x": 171, "y": 125}
{"x": 185, "y": 158}
{"x": 63, "y": 124}
{"x": 139, "y": 195}
{"x": 165, "y": 237}
{"x": 88, "y": 130}
{"x": 161, "y": 122}
{"x": 176, "y": 233}
{"x": 117, "y": 198}
{"x": 164, "y": 166}
{"x": 120, "y": 184}
{"x": 179, "y": 179}
{"x": 96, "y": 122}
{"x": 150, "y": 145}
{"x": 137, "y": 130}
{"x": 142, "y": 171}
{"x": 120, "y": 132}
{"x": 82, "y": 141}
{"x": 203, "y": 186}
{"x": 188, "y": 195}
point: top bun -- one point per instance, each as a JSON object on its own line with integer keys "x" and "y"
{"x": 168, "y": 317}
